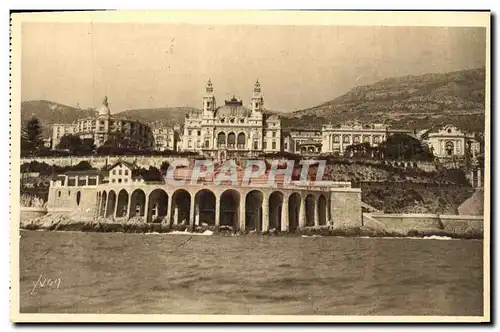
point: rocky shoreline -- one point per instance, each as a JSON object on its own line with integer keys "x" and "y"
{"x": 64, "y": 223}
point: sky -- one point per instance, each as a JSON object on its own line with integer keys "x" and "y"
{"x": 167, "y": 65}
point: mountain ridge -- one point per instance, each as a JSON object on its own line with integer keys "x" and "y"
{"x": 412, "y": 102}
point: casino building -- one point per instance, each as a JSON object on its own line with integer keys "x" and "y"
{"x": 231, "y": 129}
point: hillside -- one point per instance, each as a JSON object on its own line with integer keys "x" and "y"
{"x": 166, "y": 115}
{"x": 49, "y": 113}
{"x": 413, "y": 102}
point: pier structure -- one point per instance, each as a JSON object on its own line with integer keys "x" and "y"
{"x": 257, "y": 205}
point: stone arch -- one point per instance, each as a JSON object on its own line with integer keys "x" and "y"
{"x": 229, "y": 208}
{"x": 104, "y": 202}
{"x": 321, "y": 206}
{"x": 275, "y": 206}
{"x": 205, "y": 202}
{"x": 110, "y": 205}
{"x": 122, "y": 203}
{"x": 294, "y": 211}
{"x": 157, "y": 206}
{"x": 221, "y": 138}
{"x": 310, "y": 206}
{"x": 137, "y": 203}
{"x": 231, "y": 139}
{"x": 253, "y": 210}
{"x": 181, "y": 206}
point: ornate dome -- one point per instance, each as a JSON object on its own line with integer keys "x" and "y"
{"x": 104, "y": 109}
{"x": 232, "y": 108}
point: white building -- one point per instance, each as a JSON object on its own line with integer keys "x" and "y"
{"x": 449, "y": 141}
{"x": 102, "y": 126}
{"x": 61, "y": 129}
{"x": 165, "y": 138}
{"x": 231, "y": 129}
{"x": 337, "y": 138}
{"x": 303, "y": 141}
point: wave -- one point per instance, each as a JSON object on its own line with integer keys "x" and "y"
{"x": 312, "y": 235}
{"x": 205, "y": 233}
{"x": 431, "y": 237}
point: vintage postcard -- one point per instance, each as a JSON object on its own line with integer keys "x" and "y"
{"x": 250, "y": 166}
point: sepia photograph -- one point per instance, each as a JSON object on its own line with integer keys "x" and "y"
{"x": 250, "y": 166}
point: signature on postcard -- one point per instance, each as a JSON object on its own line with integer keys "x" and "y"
{"x": 44, "y": 282}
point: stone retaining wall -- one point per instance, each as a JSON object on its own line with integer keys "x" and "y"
{"x": 28, "y": 213}
{"x": 452, "y": 224}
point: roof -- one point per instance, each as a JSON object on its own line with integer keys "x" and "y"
{"x": 123, "y": 162}
{"x": 87, "y": 172}
{"x": 310, "y": 142}
{"x": 232, "y": 108}
{"x": 58, "y": 178}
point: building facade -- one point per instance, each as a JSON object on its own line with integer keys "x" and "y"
{"x": 103, "y": 126}
{"x": 449, "y": 141}
{"x": 165, "y": 138}
{"x": 335, "y": 139}
{"x": 231, "y": 129}
{"x": 303, "y": 141}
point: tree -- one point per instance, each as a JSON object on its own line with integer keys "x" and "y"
{"x": 364, "y": 150}
{"x": 87, "y": 147}
{"x": 31, "y": 136}
{"x": 164, "y": 167}
{"x": 70, "y": 142}
{"x": 406, "y": 147}
{"x": 151, "y": 174}
{"x": 82, "y": 166}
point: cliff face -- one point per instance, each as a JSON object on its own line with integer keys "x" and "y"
{"x": 413, "y": 102}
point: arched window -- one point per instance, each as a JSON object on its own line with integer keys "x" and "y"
{"x": 450, "y": 148}
{"x": 241, "y": 140}
{"x": 336, "y": 139}
{"x": 78, "y": 196}
{"x": 231, "y": 140}
{"x": 221, "y": 139}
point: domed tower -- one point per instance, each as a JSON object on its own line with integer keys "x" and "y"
{"x": 209, "y": 103}
{"x": 257, "y": 99}
{"x": 104, "y": 111}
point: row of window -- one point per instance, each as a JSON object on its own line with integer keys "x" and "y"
{"x": 114, "y": 172}
{"x": 224, "y": 144}
{"x": 72, "y": 182}
{"x": 356, "y": 139}
{"x": 190, "y": 132}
